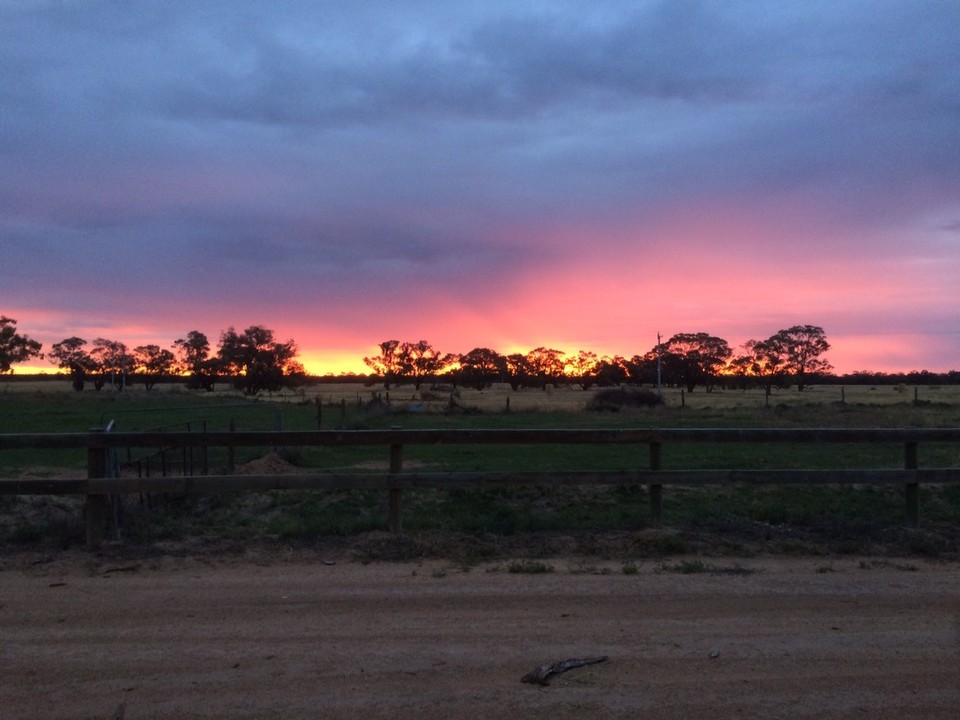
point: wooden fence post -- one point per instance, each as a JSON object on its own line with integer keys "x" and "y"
{"x": 204, "y": 450}
{"x": 231, "y": 453}
{"x": 912, "y": 489}
{"x": 656, "y": 490}
{"x": 96, "y": 505}
{"x": 396, "y": 494}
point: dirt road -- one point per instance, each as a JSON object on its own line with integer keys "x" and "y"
{"x": 272, "y": 638}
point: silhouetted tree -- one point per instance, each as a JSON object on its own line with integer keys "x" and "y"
{"x": 14, "y": 347}
{"x": 584, "y": 367}
{"x": 152, "y": 363}
{"x": 611, "y": 371}
{"x": 112, "y": 360}
{"x": 762, "y": 362}
{"x": 480, "y": 368}
{"x": 193, "y": 353}
{"x": 419, "y": 361}
{"x": 70, "y": 355}
{"x": 642, "y": 368}
{"x": 692, "y": 359}
{"x": 386, "y": 365}
{"x": 801, "y": 347}
{"x": 546, "y": 365}
{"x": 518, "y": 370}
{"x": 257, "y": 361}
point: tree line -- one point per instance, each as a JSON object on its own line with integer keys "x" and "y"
{"x": 793, "y": 355}
{"x": 254, "y": 360}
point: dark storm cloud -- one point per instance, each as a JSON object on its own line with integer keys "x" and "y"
{"x": 349, "y": 150}
{"x": 678, "y": 94}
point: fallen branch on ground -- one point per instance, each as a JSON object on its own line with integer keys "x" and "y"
{"x": 542, "y": 674}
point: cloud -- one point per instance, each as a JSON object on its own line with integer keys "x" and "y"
{"x": 220, "y": 158}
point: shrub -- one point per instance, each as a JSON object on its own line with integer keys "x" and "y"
{"x": 529, "y": 567}
{"x": 616, "y": 399}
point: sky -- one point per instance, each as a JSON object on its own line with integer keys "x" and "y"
{"x": 484, "y": 174}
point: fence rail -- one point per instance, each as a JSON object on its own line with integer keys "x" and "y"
{"x": 98, "y": 484}
{"x": 290, "y": 438}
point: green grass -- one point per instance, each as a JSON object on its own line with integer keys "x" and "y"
{"x": 137, "y": 410}
{"x": 778, "y": 518}
{"x": 305, "y": 515}
{"x": 62, "y": 412}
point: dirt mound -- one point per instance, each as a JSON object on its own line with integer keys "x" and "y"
{"x": 270, "y": 464}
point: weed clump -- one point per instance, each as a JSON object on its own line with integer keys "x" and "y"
{"x": 617, "y": 399}
{"x": 529, "y": 567}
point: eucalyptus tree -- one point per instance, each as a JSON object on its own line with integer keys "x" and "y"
{"x": 152, "y": 363}
{"x": 611, "y": 371}
{"x": 111, "y": 360}
{"x": 14, "y": 347}
{"x": 641, "y": 369}
{"x": 257, "y": 361}
{"x": 419, "y": 361}
{"x": 546, "y": 366}
{"x": 387, "y": 364}
{"x": 791, "y": 354}
{"x": 480, "y": 368}
{"x": 692, "y": 359}
{"x": 518, "y": 370}
{"x": 801, "y": 348}
{"x": 584, "y": 366}
{"x": 193, "y": 357}
{"x": 762, "y": 362}
{"x": 70, "y": 355}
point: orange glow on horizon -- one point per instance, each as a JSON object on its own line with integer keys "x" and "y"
{"x": 335, "y": 363}
{"x": 38, "y": 370}
{"x": 852, "y": 354}
{"x": 881, "y": 353}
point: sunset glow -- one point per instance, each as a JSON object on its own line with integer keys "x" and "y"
{"x": 484, "y": 175}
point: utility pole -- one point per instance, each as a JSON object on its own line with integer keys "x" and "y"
{"x": 659, "y": 390}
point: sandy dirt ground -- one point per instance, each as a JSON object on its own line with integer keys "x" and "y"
{"x": 292, "y": 637}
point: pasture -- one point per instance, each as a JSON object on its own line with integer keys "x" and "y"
{"x": 478, "y": 523}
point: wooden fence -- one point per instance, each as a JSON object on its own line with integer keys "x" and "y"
{"x": 98, "y": 484}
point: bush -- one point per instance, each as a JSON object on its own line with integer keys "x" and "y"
{"x": 529, "y": 567}
{"x": 616, "y": 399}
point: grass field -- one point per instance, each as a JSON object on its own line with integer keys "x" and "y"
{"x": 728, "y": 519}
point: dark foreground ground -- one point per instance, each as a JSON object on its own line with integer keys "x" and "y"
{"x": 301, "y": 635}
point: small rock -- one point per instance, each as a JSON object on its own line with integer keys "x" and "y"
{"x": 714, "y": 654}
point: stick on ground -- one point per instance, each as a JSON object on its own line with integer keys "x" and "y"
{"x": 542, "y": 674}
